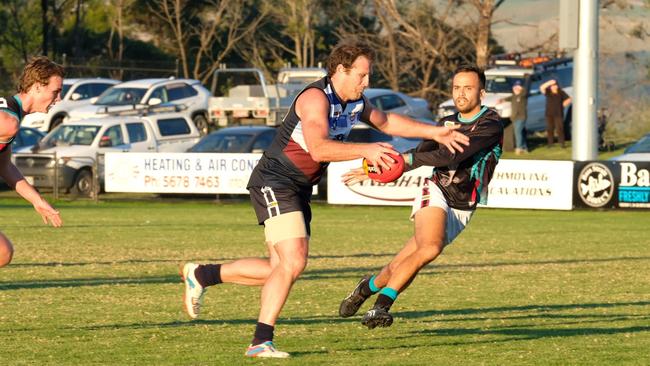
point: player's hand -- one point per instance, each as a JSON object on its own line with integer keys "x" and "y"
{"x": 451, "y": 138}
{"x": 354, "y": 176}
{"x": 49, "y": 214}
{"x": 377, "y": 154}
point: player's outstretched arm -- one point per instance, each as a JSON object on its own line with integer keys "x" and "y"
{"x": 399, "y": 125}
{"x": 15, "y": 179}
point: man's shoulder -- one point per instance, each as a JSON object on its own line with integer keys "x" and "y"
{"x": 9, "y": 106}
{"x": 491, "y": 119}
{"x": 490, "y": 115}
{"x": 311, "y": 95}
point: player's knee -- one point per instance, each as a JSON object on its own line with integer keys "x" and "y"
{"x": 428, "y": 253}
{"x": 294, "y": 265}
{"x": 298, "y": 266}
{"x": 6, "y": 251}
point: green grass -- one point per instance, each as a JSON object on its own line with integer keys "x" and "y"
{"x": 517, "y": 288}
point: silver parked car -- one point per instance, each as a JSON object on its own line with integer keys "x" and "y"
{"x": 131, "y": 94}
{"x": 70, "y": 152}
{"x": 395, "y": 102}
{"x": 75, "y": 93}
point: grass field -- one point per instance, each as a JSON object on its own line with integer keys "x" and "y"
{"x": 517, "y": 288}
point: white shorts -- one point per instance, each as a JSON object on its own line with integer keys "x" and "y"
{"x": 431, "y": 196}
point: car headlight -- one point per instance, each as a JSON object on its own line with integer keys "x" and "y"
{"x": 60, "y": 162}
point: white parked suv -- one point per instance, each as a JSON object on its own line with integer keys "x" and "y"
{"x": 69, "y": 152}
{"x": 499, "y": 82}
{"x": 75, "y": 93}
{"x": 136, "y": 93}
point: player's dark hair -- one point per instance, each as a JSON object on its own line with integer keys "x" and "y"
{"x": 475, "y": 69}
{"x": 346, "y": 52}
{"x": 39, "y": 70}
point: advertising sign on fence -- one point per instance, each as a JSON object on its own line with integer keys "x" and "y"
{"x": 179, "y": 172}
{"x": 612, "y": 184}
{"x": 534, "y": 184}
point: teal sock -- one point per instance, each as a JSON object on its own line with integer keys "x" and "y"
{"x": 392, "y": 293}
{"x": 372, "y": 286}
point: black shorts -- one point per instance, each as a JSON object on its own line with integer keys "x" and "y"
{"x": 270, "y": 202}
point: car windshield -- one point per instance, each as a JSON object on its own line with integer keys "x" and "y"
{"x": 64, "y": 89}
{"x": 223, "y": 143}
{"x": 121, "y": 96}
{"x": 501, "y": 84}
{"x": 70, "y": 135}
{"x": 642, "y": 146}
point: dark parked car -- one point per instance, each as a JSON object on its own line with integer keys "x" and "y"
{"x": 639, "y": 151}
{"x": 244, "y": 139}
{"x": 26, "y": 137}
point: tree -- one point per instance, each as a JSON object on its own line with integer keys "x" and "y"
{"x": 485, "y": 9}
{"x": 205, "y": 34}
{"x": 296, "y": 22}
{"x": 416, "y": 48}
{"x": 116, "y": 47}
{"x": 20, "y": 36}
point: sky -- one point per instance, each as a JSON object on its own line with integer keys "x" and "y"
{"x": 519, "y": 23}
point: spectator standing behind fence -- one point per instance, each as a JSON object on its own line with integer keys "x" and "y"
{"x": 556, "y": 101}
{"x": 519, "y": 113}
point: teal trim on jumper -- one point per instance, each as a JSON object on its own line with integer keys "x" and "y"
{"x": 8, "y": 111}
{"x": 371, "y": 284}
{"x": 478, "y": 170}
{"x": 470, "y": 120}
{"x": 20, "y": 105}
{"x": 392, "y": 293}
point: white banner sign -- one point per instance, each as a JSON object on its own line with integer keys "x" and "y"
{"x": 179, "y": 172}
{"x": 536, "y": 184}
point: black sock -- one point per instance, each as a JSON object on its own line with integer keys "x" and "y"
{"x": 263, "y": 333}
{"x": 208, "y": 274}
{"x": 383, "y": 302}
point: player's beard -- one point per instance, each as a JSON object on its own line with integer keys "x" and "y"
{"x": 468, "y": 105}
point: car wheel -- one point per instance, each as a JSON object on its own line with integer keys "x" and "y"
{"x": 56, "y": 120}
{"x": 83, "y": 184}
{"x": 201, "y": 124}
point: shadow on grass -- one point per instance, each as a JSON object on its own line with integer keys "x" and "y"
{"x": 504, "y": 309}
{"x": 77, "y": 282}
{"x": 511, "y": 335}
{"x": 320, "y": 319}
{"x": 361, "y": 270}
{"x": 183, "y": 260}
{"x": 526, "y": 334}
{"x": 309, "y": 275}
{"x": 220, "y": 322}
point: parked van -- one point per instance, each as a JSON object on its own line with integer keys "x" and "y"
{"x": 70, "y": 151}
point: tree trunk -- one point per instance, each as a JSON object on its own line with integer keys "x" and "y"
{"x": 46, "y": 25}
{"x": 483, "y": 33}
